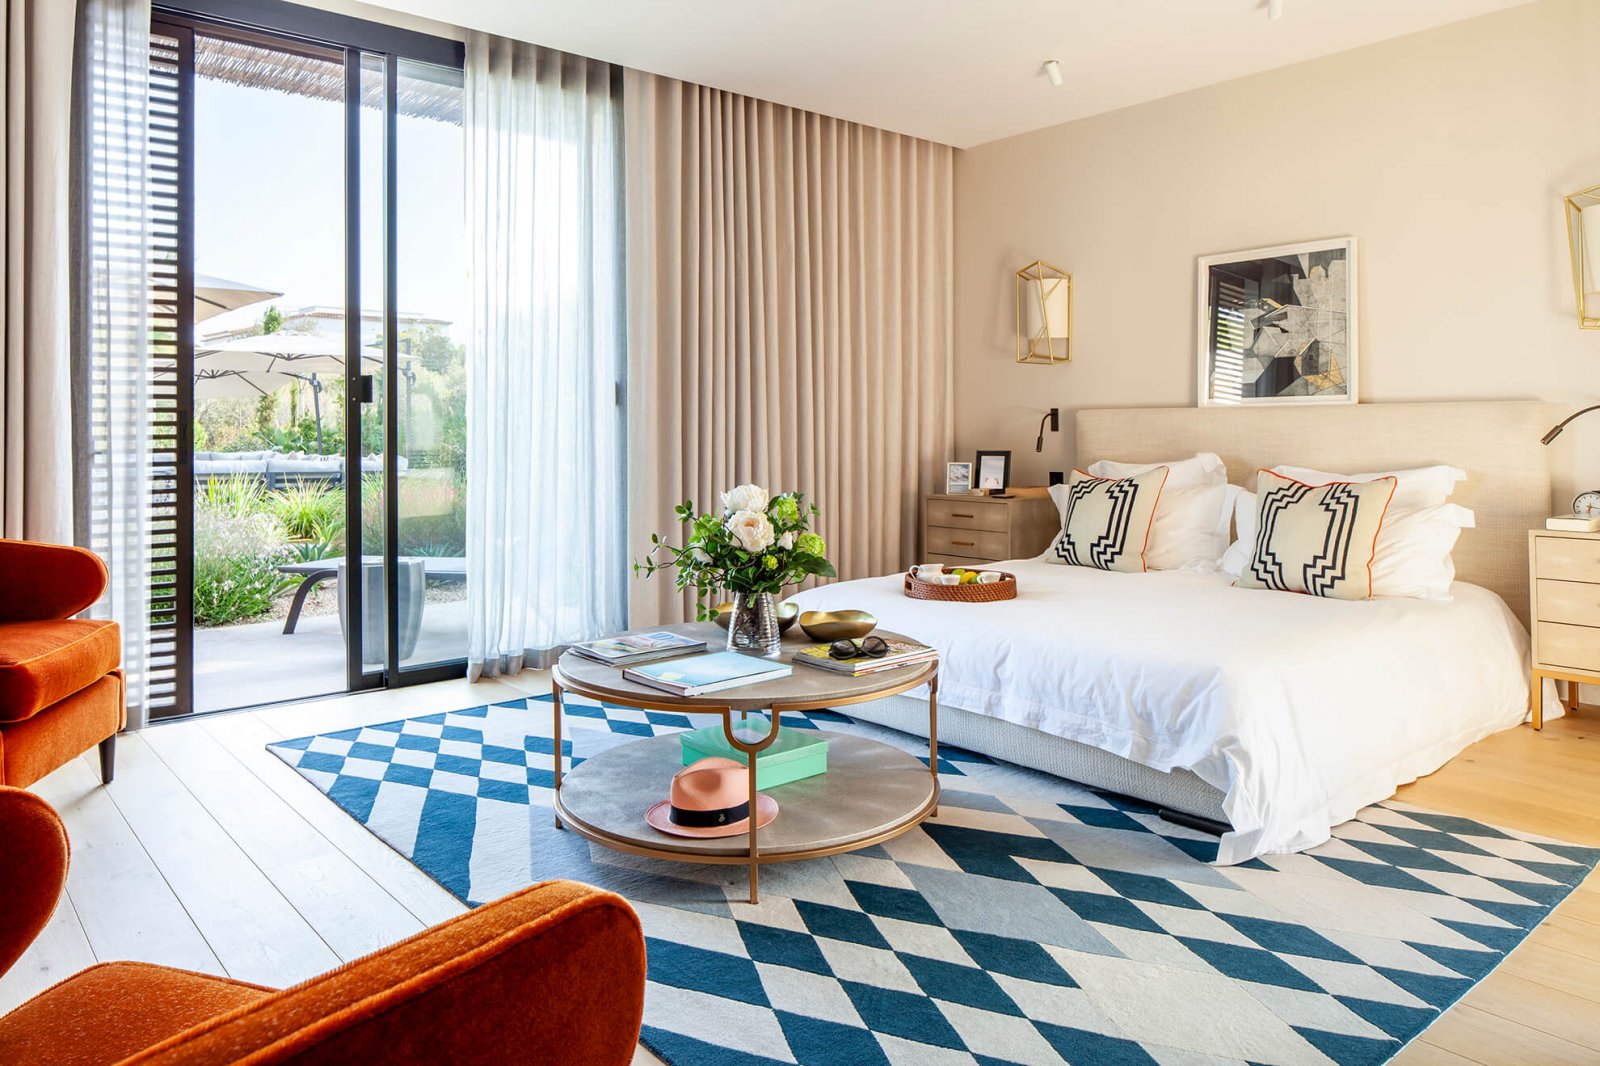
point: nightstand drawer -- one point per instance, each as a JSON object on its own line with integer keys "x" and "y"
{"x": 1567, "y": 559}
{"x": 1567, "y": 646}
{"x": 1574, "y": 602}
{"x": 959, "y": 515}
{"x": 958, "y": 560}
{"x": 970, "y": 544}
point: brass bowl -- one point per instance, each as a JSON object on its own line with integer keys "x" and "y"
{"x": 828, "y": 626}
{"x": 787, "y": 613}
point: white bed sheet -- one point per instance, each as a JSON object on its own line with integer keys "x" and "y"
{"x": 1301, "y": 711}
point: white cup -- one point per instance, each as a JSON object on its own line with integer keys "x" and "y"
{"x": 949, "y": 579}
{"x": 988, "y": 577}
{"x": 929, "y": 571}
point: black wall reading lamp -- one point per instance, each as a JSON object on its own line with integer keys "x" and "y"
{"x": 1054, "y": 419}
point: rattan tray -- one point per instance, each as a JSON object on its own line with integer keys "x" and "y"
{"x": 1004, "y": 589}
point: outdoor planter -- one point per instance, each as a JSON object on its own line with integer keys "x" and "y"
{"x": 413, "y": 593}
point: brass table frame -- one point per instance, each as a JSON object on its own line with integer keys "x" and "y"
{"x": 564, "y": 819}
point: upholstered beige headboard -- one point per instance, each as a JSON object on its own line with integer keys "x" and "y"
{"x": 1495, "y": 442}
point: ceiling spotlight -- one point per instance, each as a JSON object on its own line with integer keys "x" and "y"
{"x": 1052, "y": 69}
{"x": 1275, "y": 9}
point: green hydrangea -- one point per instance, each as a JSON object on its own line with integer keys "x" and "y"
{"x": 770, "y": 562}
{"x": 811, "y": 544}
{"x": 785, "y": 510}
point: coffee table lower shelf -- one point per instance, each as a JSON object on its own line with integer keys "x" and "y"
{"x": 872, "y": 792}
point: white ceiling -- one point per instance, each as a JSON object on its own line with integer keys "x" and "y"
{"x": 957, "y": 71}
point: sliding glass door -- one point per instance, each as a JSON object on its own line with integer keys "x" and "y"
{"x": 309, "y": 172}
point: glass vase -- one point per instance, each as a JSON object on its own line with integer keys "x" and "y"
{"x": 753, "y": 626}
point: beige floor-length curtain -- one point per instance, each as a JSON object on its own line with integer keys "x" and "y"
{"x": 35, "y": 388}
{"x": 789, "y": 299}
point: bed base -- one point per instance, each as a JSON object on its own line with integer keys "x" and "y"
{"x": 1180, "y": 796}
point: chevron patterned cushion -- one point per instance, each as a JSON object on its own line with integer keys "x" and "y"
{"x": 1105, "y": 523}
{"x": 1316, "y": 539}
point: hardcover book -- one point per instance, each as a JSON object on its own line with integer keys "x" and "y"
{"x": 638, "y": 647}
{"x": 901, "y": 653}
{"x": 713, "y": 672}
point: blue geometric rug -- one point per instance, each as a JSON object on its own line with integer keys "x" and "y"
{"x": 1034, "y": 921}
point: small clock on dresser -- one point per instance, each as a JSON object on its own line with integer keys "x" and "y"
{"x": 1587, "y": 503}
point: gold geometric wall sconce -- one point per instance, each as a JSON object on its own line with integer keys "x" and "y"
{"x": 1044, "y": 314}
{"x": 1583, "y": 236}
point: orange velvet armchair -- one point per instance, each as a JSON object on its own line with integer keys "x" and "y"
{"x": 61, "y": 691}
{"x": 552, "y": 974}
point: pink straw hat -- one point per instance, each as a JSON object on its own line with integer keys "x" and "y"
{"x": 711, "y": 798}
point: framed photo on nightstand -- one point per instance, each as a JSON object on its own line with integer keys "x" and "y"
{"x": 994, "y": 471}
{"x": 957, "y": 478}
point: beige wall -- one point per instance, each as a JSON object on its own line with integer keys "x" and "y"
{"x": 1445, "y": 153}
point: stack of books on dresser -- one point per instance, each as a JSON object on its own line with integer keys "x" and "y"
{"x": 901, "y": 653}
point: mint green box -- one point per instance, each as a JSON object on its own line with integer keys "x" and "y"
{"x": 796, "y": 753}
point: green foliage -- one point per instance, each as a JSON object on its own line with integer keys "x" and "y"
{"x": 753, "y": 545}
{"x": 271, "y": 320}
{"x": 202, "y": 437}
{"x": 301, "y": 436}
{"x": 237, "y": 495}
{"x": 235, "y": 564}
{"x": 309, "y": 511}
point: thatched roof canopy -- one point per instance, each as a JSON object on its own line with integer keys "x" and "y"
{"x": 299, "y": 74}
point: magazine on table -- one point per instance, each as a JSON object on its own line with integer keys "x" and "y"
{"x": 901, "y": 653}
{"x": 695, "y": 675}
{"x": 638, "y": 647}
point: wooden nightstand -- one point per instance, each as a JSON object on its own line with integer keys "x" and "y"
{"x": 980, "y": 529}
{"x": 1564, "y": 571}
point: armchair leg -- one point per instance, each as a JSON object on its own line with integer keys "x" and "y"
{"x": 108, "y": 759}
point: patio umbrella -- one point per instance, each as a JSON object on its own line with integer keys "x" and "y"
{"x": 214, "y": 295}
{"x": 251, "y": 362}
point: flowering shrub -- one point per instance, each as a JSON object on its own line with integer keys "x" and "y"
{"x": 235, "y": 564}
{"x": 754, "y": 544}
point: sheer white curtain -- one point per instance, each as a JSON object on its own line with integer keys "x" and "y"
{"x": 113, "y": 302}
{"x": 546, "y": 528}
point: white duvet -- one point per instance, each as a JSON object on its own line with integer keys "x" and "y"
{"x": 1301, "y": 711}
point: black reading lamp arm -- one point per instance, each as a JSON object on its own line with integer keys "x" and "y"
{"x": 1556, "y": 430}
{"x": 1052, "y": 416}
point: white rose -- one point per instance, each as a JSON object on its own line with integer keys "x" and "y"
{"x": 745, "y": 498}
{"x": 787, "y": 540}
{"x": 751, "y": 529}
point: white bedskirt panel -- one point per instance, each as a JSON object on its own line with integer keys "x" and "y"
{"x": 1300, "y": 711}
{"x": 1178, "y": 790}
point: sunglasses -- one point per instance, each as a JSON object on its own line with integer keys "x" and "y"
{"x": 871, "y": 647}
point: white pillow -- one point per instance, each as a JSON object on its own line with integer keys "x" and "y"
{"x": 1423, "y": 486}
{"x": 1192, "y": 507}
{"x": 1413, "y": 551}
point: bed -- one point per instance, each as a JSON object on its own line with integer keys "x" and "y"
{"x": 1277, "y": 715}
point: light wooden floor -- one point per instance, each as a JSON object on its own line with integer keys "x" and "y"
{"x": 209, "y": 853}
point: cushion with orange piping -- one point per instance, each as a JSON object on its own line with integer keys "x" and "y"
{"x": 43, "y": 662}
{"x": 115, "y": 1010}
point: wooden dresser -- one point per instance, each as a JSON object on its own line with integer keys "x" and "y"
{"x": 1564, "y": 571}
{"x": 980, "y": 529}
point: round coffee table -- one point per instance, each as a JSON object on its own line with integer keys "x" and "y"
{"x": 871, "y": 792}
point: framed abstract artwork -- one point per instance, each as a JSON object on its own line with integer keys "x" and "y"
{"x": 1278, "y": 325}
{"x": 957, "y": 478}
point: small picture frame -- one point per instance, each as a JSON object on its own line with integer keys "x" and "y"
{"x": 992, "y": 471}
{"x": 957, "y": 478}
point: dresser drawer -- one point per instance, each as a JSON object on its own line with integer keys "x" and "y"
{"x": 968, "y": 544}
{"x": 1567, "y": 646}
{"x": 958, "y": 514}
{"x": 1574, "y": 602}
{"x": 1567, "y": 559}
